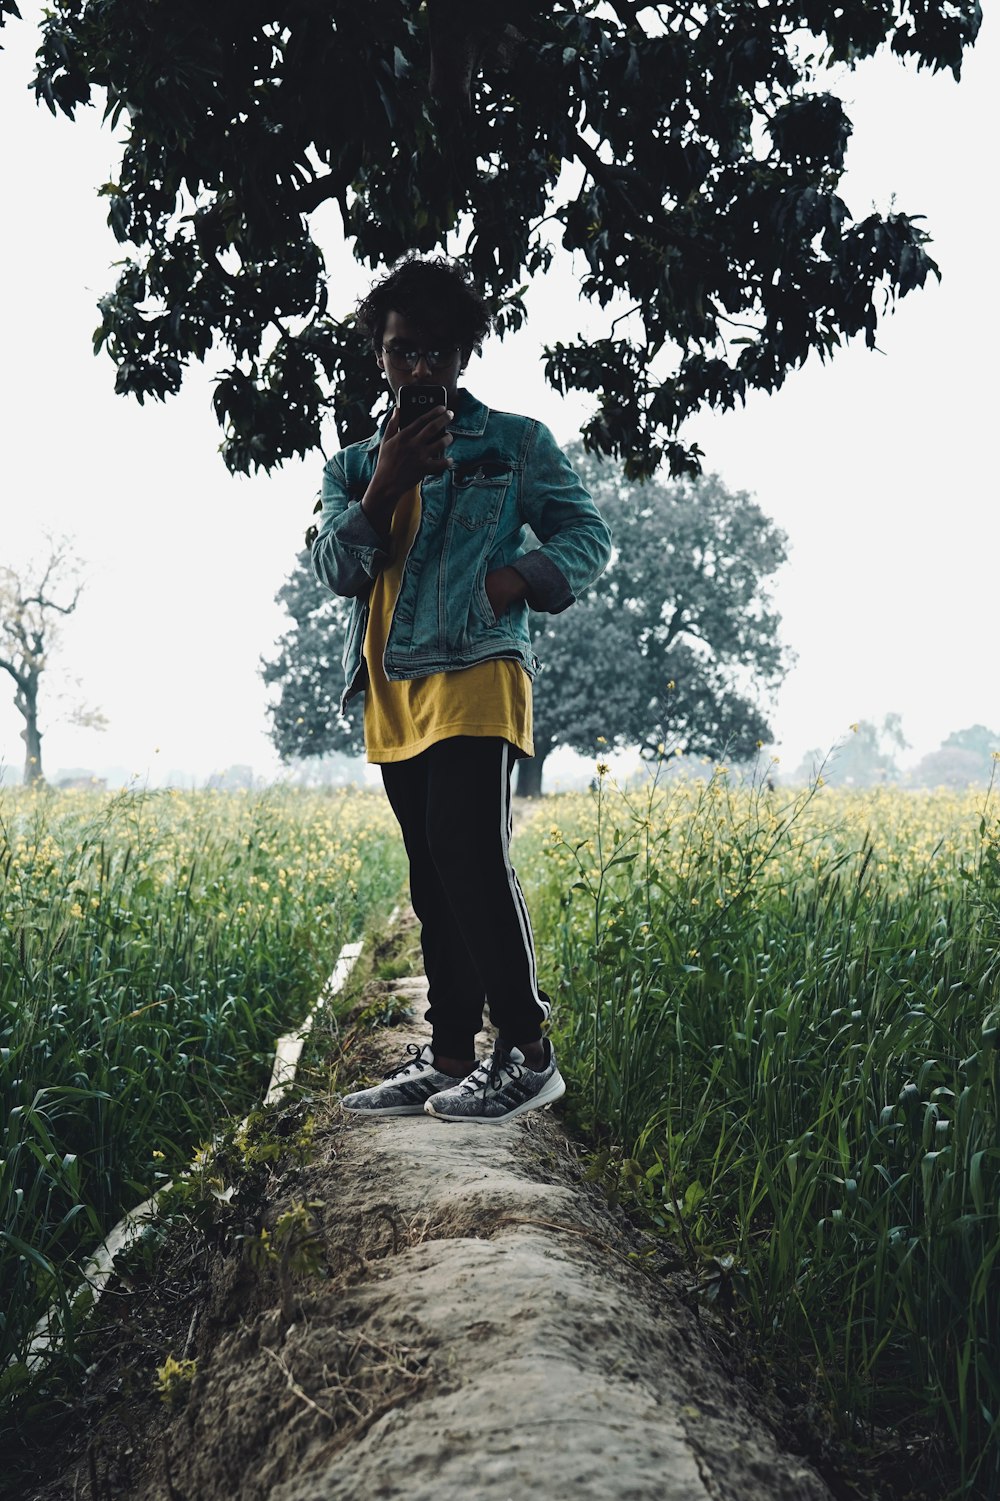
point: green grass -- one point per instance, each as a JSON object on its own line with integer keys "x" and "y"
{"x": 782, "y": 1016}
{"x": 780, "y": 1012}
{"x": 153, "y": 946}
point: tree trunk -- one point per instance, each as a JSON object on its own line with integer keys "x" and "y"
{"x": 529, "y": 776}
{"x": 27, "y": 702}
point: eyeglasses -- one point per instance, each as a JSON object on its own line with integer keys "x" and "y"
{"x": 406, "y": 357}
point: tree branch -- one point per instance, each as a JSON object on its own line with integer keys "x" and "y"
{"x": 636, "y": 308}
{"x": 458, "y": 38}
{"x": 675, "y": 627}
{"x": 14, "y": 627}
{"x": 20, "y": 680}
{"x": 627, "y": 14}
{"x": 50, "y": 604}
{"x": 312, "y": 194}
{"x": 601, "y": 172}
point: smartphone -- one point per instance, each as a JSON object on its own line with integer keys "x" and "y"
{"x": 415, "y": 400}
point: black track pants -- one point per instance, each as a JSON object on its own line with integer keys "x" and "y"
{"x": 453, "y": 806}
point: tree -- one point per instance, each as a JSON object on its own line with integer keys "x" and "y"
{"x": 977, "y": 740}
{"x": 236, "y": 778}
{"x": 29, "y": 633}
{"x": 965, "y": 758}
{"x": 336, "y": 769}
{"x": 676, "y": 641}
{"x": 867, "y": 758}
{"x": 305, "y": 716}
{"x": 687, "y": 153}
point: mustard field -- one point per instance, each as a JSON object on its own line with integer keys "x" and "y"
{"x": 782, "y": 1014}
{"x": 153, "y": 946}
{"x": 779, "y": 1013}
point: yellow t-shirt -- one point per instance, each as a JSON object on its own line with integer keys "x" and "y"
{"x": 404, "y": 718}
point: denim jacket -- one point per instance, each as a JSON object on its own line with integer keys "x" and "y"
{"x": 508, "y": 474}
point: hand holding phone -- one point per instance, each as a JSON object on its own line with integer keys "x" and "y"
{"x": 417, "y": 400}
{"x": 415, "y": 444}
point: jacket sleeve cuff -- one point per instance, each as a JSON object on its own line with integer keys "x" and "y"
{"x": 360, "y": 540}
{"x": 548, "y": 587}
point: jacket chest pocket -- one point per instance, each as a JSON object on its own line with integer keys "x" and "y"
{"x": 478, "y": 492}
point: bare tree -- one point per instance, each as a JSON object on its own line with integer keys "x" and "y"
{"x": 30, "y": 620}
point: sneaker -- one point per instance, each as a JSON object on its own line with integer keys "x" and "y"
{"x": 404, "y": 1090}
{"x": 501, "y": 1087}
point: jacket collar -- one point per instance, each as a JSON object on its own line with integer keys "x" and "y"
{"x": 471, "y": 417}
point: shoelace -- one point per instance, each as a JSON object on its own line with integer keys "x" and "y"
{"x": 490, "y": 1072}
{"x": 402, "y": 1068}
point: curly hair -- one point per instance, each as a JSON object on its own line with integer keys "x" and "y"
{"x": 432, "y": 290}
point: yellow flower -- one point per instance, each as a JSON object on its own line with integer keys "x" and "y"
{"x": 601, "y": 740}
{"x": 603, "y": 768}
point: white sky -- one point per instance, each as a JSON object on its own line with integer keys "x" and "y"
{"x": 879, "y": 466}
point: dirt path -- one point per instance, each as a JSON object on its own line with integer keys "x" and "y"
{"x": 529, "y": 1352}
{"x": 481, "y": 1334}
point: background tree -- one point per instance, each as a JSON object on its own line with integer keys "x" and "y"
{"x": 30, "y": 614}
{"x": 307, "y": 671}
{"x": 966, "y": 758}
{"x": 704, "y": 156}
{"x": 336, "y": 769}
{"x": 677, "y": 640}
{"x": 867, "y": 758}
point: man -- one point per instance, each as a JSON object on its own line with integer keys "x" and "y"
{"x": 424, "y": 528}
